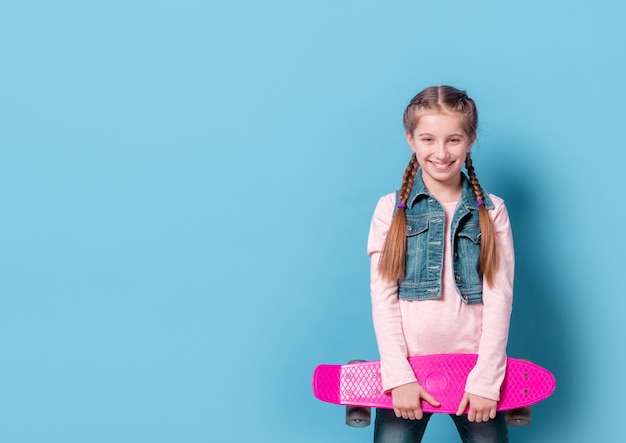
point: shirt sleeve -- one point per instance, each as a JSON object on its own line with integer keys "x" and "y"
{"x": 487, "y": 376}
{"x": 395, "y": 368}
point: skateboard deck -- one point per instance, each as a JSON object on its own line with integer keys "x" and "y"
{"x": 442, "y": 375}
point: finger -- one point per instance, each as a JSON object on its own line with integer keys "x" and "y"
{"x": 463, "y": 405}
{"x": 492, "y": 413}
{"x": 430, "y": 399}
{"x": 482, "y": 416}
{"x": 409, "y": 414}
{"x": 418, "y": 414}
{"x": 401, "y": 412}
{"x": 472, "y": 415}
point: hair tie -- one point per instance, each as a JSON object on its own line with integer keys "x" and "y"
{"x": 401, "y": 204}
{"x": 480, "y": 203}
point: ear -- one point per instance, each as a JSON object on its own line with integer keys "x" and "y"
{"x": 470, "y": 143}
{"x": 410, "y": 140}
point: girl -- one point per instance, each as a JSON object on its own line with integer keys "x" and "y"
{"x": 441, "y": 273}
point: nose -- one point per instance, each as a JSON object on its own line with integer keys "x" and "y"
{"x": 441, "y": 150}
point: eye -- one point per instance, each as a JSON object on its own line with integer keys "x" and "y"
{"x": 427, "y": 139}
{"x": 455, "y": 140}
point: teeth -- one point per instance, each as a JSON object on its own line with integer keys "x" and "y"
{"x": 441, "y": 165}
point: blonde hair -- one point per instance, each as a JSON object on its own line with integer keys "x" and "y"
{"x": 393, "y": 256}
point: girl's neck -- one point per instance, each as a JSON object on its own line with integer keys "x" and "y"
{"x": 444, "y": 192}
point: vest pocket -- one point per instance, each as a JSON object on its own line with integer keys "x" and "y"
{"x": 415, "y": 227}
{"x": 416, "y": 251}
{"x": 470, "y": 232}
{"x": 469, "y": 278}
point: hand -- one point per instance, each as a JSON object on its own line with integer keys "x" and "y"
{"x": 480, "y": 408}
{"x": 406, "y": 401}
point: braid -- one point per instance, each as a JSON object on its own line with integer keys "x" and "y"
{"x": 488, "y": 247}
{"x": 478, "y": 191}
{"x": 393, "y": 256}
{"x": 408, "y": 179}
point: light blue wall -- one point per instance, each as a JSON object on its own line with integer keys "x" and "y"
{"x": 186, "y": 188}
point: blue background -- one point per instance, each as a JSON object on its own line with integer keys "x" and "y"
{"x": 186, "y": 189}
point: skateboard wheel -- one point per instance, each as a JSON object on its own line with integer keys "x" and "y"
{"x": 519, "y": 416}
{"x": 358, "y": 416}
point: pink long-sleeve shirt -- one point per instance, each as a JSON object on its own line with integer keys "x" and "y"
{"x": 445, "y": 324}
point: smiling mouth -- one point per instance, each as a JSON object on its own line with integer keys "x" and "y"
{"x": 441, "y": 165}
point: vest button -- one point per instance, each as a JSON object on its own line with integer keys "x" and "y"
{"x": 457, "y": 278}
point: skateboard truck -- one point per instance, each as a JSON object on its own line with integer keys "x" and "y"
{"x": 519, "y": 416}
{"x": 358, "y": 416}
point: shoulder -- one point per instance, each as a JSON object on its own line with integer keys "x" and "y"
{"x": 383, "y": 213}
{"x": 499, "y": 213}
{"x": 381, "y": 220}
{"x": 386, "y": 203}
{"x": 498, "y": 202}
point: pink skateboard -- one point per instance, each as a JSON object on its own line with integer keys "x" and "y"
{"x": 443, "y": 376}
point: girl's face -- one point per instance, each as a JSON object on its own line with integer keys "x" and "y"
{"x": 441, "y": 145}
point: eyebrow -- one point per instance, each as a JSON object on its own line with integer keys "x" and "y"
{"x": 455, "y": 134}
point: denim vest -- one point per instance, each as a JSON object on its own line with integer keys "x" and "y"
{"x": 424, "y": 241}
